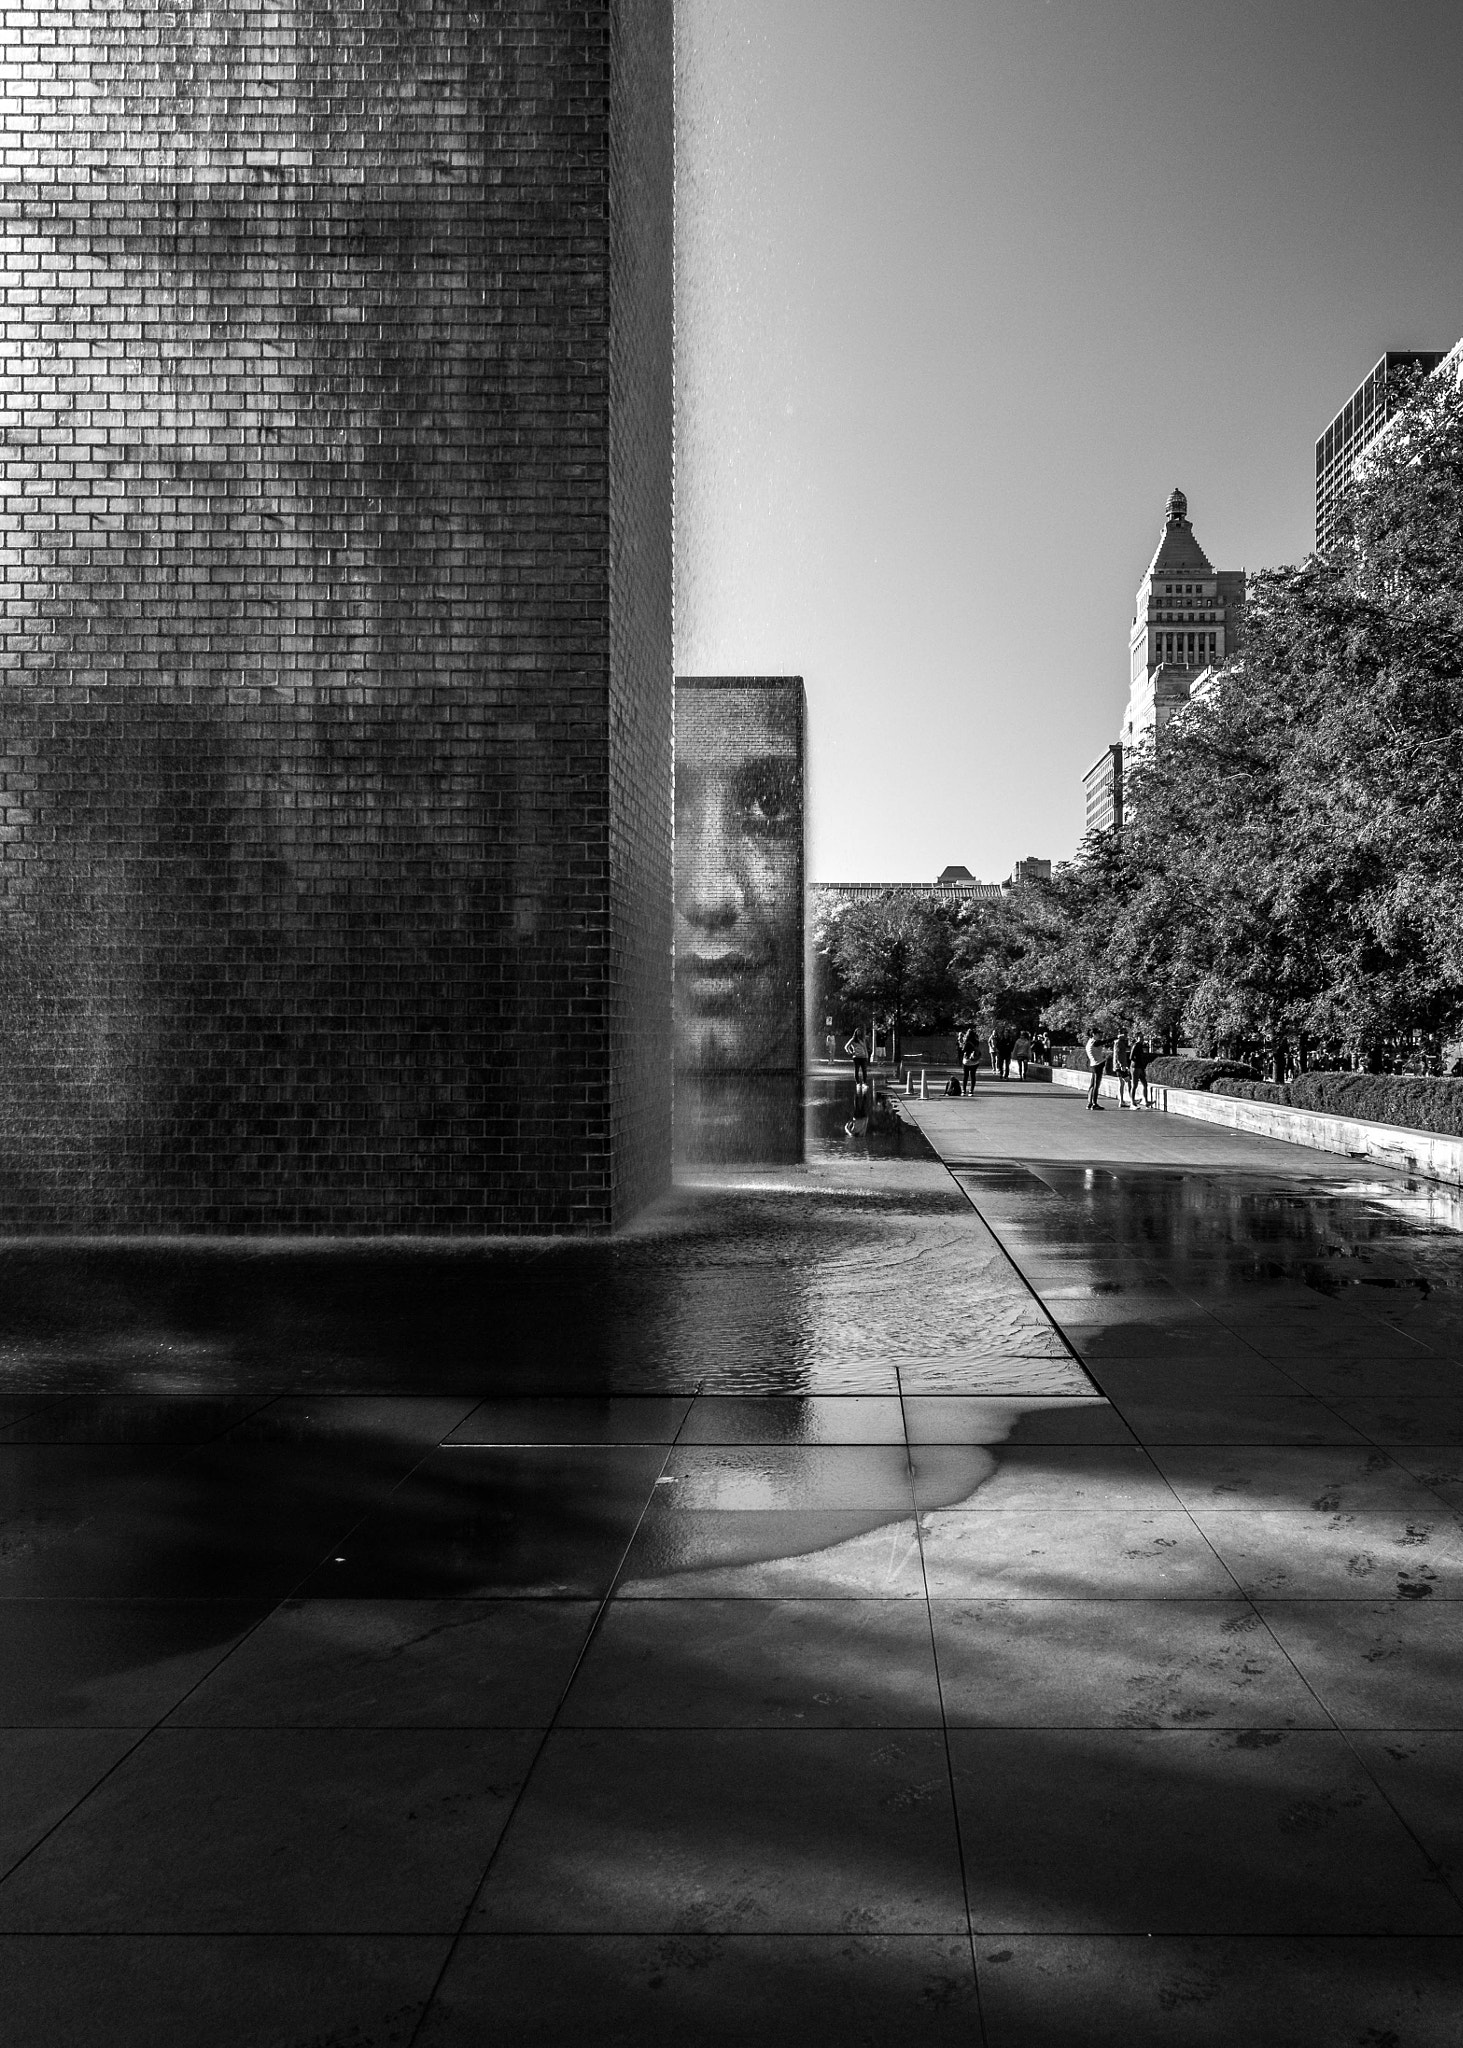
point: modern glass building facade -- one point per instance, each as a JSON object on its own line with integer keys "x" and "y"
{"x": 1358, "y": 423}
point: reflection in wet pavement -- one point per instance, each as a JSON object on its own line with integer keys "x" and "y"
{"x": 768, "y": 1596}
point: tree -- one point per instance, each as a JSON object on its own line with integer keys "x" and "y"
{"x": 993, "y": 959}
{"x": 892, "y": 954}
{"x": 1293, "y": 864}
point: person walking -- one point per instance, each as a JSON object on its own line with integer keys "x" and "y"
{"x": 857, "y": 1049}
{"x": 1021, "y": 1053}
{"x": 1097, "y": 1052}
{"x": 1141, "y": 1055}
{"x": 1122, "y": 1053}
{"x": 994, "y": 1047}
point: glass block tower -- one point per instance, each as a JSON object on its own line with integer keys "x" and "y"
{"x": 1355, "y": 427}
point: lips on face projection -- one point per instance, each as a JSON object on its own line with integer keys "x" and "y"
{"x": 739, "y": 826}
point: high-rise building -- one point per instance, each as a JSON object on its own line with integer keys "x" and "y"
{"x": 1029, "y": 870}
{"x": 1102, "y": 788}
{"x": 1357, "y": 424}
{"x": 1187, "y": 616}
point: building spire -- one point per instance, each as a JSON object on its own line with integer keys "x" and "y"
{"x": 1178, "y": 506}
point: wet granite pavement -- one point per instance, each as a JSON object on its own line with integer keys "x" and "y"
{"x": 1015, "y": 1601}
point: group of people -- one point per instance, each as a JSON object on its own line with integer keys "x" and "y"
{"x": 1007, "y": 1049}
{"x": 1128, "y": 1058}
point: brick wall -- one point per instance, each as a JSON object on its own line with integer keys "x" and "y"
{"x": 642, "y": 412}
{"x": 335, "y": 688}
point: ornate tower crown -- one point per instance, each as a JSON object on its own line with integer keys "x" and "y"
{"x": 1178, "y": 506}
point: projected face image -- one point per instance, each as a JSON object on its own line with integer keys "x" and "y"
{"x": 739, "y": 878}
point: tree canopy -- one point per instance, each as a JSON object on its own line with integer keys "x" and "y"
{"x": 891, "y": 955}
{"x": 1292, "y": 864}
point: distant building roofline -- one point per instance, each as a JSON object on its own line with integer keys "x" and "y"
{"x": 864, "y": 891}
{"x": 1114, "y": 747}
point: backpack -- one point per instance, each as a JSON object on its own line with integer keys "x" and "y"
{"x": 952, "y": 1086}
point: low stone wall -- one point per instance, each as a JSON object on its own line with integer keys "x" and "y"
{"x": 1428, "y": 1153}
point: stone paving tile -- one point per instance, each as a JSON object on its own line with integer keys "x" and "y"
{"x": 1238, "y": 1419}
{"x": 713, "y": 1990}
{"x": 1393, "y": 1664}
{"x": 1347, "y": 1556}
{"x": 16, "y": 1407}
{"x": 1366, "y": 1375}
{"x": 682, "y": 1554}
{"x": 396, "y": 1664}
{"x": 395, "y": 1426}
{"x": 225, "y": 1991}
{"x": 1110, "y": 1477}
{"x": 476, "y": 1522}
{"x": 826, "y": 1376}
{"x": 1206, "y": 1991}
{"x": 815, "y": 1419}
{"x": 1422, "y": 1775}
{"x": 329, "y": 1831}
{"x": 1175, "y": 1832}
{"x": 110, "y": 1663}
{"x": 724, "y": 1831}
{"x": 1185, "y": 1380}
{"x": 1054, "y": 1373}
{"x": 1150, "y": 1303}
{"x": 1069, "y": 1555}
{"x": 1438, "y": 1467}
{"x": 1403, "y": 1419}
{"x": 1172, "y": 1343}
{"x": 758, "y": 1664}
{"x": 981, "y": 1419}
{"x": 44, "y": 1773}
{"x": 87, "y": 1519}
{"x": 128, "y": 1419}
{"x": 1079, "y": 1269}
{"x": 629, "y": 1420}
{"x": 1115, "y": 1664}
{"x": 779, "y": 1476}
{"x": 1337, "y": 1342}
{"x": 224, "y": 1521}
{"x": 1324, "y": 1479}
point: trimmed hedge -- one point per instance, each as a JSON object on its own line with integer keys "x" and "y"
{"x": 1171, "y": 1072}
{"x": 1252, "y": 1091}
{"x": 1418, "y": 1102}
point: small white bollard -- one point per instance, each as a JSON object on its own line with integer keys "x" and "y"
{"x": 924, "y": 1085}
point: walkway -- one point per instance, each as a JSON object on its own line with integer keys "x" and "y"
{"x": 761, "y": 1628}
{"x": 1034, "y": 1121}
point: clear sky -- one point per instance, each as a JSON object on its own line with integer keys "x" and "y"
{"x": 965, "y": 288}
